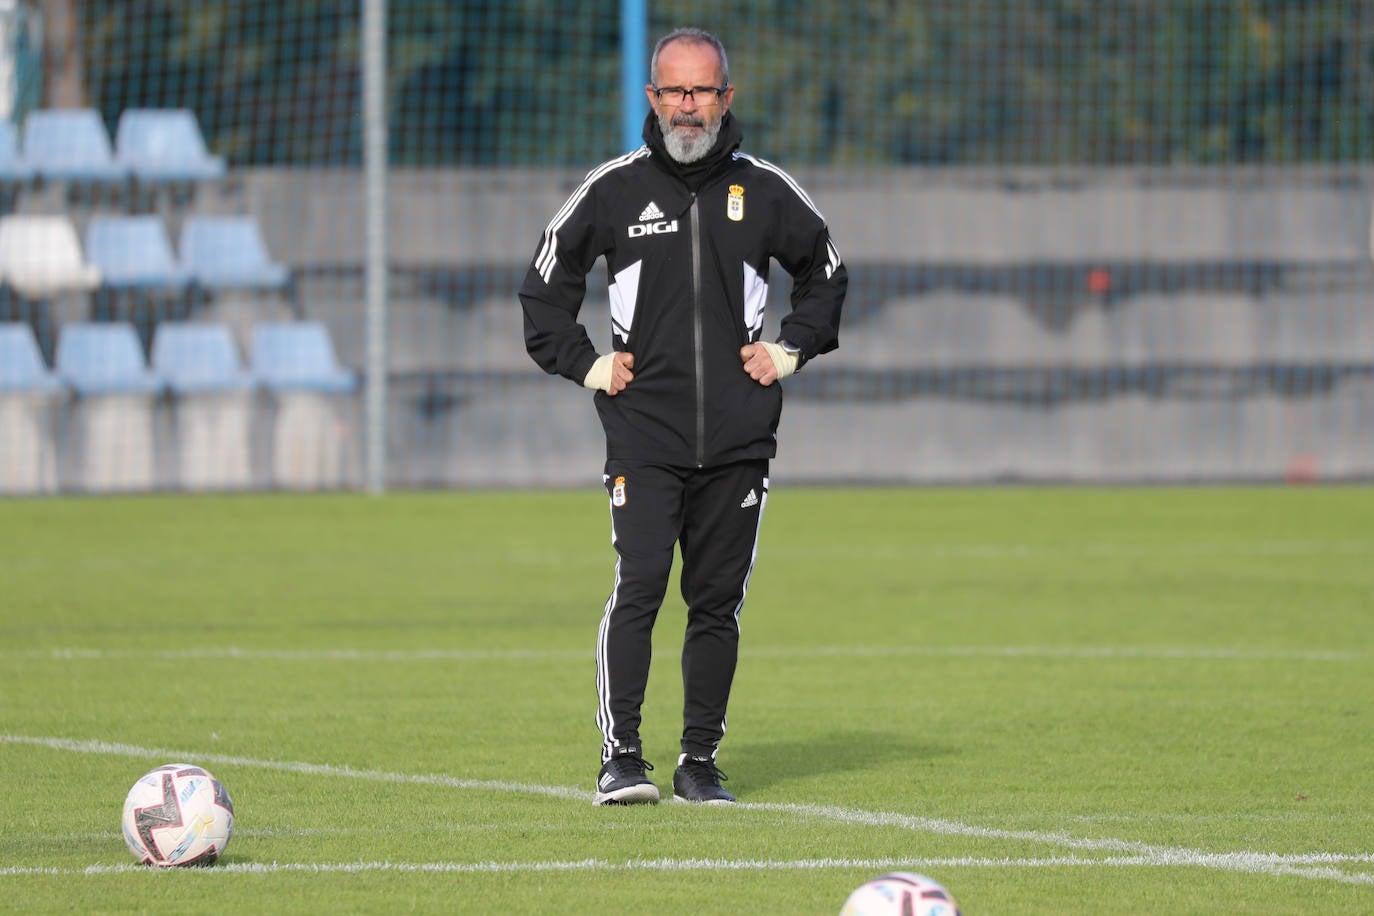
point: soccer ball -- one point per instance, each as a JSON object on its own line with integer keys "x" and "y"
{"x": 900, "y": 893}
{"x": 178, "y": 814}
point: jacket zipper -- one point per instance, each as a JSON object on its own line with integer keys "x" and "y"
{"x": 697, "y": 332}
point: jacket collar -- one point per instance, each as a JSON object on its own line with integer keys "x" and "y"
{"x": 694, "y": 174}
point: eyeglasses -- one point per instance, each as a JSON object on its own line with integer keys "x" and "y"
{"x": 676, "y": 95}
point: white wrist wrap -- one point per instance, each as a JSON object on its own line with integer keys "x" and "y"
{"x": 785, "y": 362}
{"x": 599, "y": 375}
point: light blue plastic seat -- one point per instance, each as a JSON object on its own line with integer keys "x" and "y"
{"x": 298, "y": 356}
{"x": 104, "y": 358}
{"x": 137, "y": 265}
{"x": 21, "y": 362}
{"x": 165, "y": 146}
{"x": 71, "y": 144}
{"x": 196, "y": 357}
{"x": 228, "y": 252}
{"x": 134, "y": 252}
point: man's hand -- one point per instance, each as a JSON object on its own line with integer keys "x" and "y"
{"x": 766, "y": 362}
{"x": 610, "y": 373}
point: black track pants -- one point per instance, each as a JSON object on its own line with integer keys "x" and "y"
{"x": 713, "y": 514}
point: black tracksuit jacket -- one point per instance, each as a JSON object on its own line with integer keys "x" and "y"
{"x": 687, "y": 251}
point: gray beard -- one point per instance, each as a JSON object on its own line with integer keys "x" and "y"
{"x": 686, "y": 149}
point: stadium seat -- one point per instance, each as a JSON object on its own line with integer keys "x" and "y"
{"x": 111, "y": 425}
{"x": 228, "y": 252}
{"x": 21, "y": 363}
{"x": 298, "y": 356}
{"x": 141, "y": 278}
{"x": 134, "y": 252}
{"x": 197, "y": 358}
{"x": 72, "y": 145}
{"x": 214, "y": 404}
{"x": 28, "y": 393}
{"x": 313, "y": 438}
{"x": 104, "y": 358}
{"x": 40, "y": 257}
{"x": 165, "y": 146}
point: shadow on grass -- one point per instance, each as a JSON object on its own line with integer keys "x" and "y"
{"x": 760, "y": 764}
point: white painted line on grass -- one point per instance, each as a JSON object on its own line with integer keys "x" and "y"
{"x": 1088, "y": 652}
{"x": 1277, "y": 865}
{"x": 1185, "y": 549}
{"x": 1139, "y": 853}
{"x": 304, "y": 655}
{"x": 1318, "y": 866}
{"x": 289, "y": 766}
{"x": 543, "y": 655}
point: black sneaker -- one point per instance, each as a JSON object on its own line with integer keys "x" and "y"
{"x": 622, "y": 780}
{"x": 697, "y": 780}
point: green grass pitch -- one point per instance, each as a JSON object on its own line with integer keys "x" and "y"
{"x": 1051, "y": 700}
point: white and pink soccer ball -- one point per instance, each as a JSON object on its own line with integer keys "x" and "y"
{"x": 176, "y": 815}
{"x": 900, "y": 893}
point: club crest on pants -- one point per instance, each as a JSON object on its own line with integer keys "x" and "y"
{"x": 618, "y": 492}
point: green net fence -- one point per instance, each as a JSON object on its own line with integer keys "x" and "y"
{"x": 864, "y": 83}
{"x": 1087, "y": 242}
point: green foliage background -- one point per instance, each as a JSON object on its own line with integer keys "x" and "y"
{"x": 863, "y": 82}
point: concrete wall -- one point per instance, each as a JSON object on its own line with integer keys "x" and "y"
{"x": 1242, "y": 347}
{"x": 985, "y": 216}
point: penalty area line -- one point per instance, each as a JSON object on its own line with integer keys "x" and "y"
{"x": 1127, "y": 852}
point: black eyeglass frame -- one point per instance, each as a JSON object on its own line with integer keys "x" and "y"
{"x": 713, "y": 93}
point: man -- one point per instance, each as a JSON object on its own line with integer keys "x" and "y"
{"x": 687, "y": 226}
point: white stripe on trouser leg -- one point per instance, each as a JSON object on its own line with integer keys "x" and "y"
{"x": 605, "y": 720}
{"x": 744, "y": 588}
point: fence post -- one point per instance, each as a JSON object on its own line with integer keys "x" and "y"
{"x": 633, "y": 31}
{"x": 375, "y": 168}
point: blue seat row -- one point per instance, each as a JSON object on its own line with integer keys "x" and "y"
{"x": 96, "y": 358}
{"x": 152, "y": 146}
{"x": 216, "y": 252}
{"x": 41, "y": 255}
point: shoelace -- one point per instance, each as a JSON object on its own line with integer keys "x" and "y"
{"x": 710, "y": 771}
{"x": 627, "y": 765}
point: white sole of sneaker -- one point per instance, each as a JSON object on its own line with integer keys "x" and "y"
{"x": 646, "y": 794}
{"x": 710, "y": 801}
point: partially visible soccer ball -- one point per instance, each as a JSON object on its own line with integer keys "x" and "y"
{"x": 900, "y": 893}
{"x": 178, "y": 814}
